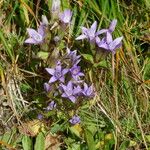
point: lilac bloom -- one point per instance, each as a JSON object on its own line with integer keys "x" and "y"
{"x": 47, "y": 87}
{"x": 75, "y": 59}
{"x": 65, "y": 16}
{"x": 37, "y": 37}
{"x": 75, "y": 119}
{"x": 40, "y": 116}
{"x": 70, "y": 92}
{"x": 75, "y": 72}
{"x": 57, "y": 73}
{"x": 109, "y": 44}
{"x": 51, "y": 106}
{"x": 88, "y": 91}
{"x": 89, "y": 34}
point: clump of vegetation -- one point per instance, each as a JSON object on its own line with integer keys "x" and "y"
{"x": 80, "y": 81}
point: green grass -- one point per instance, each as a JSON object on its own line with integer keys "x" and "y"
{"x": 118, "y": 117}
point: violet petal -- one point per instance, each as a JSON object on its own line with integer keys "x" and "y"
{"x": 112, "y": 26}
{"x": 52, "y": 79}
{"x": 50, "y": 71}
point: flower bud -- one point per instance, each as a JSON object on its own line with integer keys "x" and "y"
{"x": 44, "y": 20}
{"x": 55, "y": 8}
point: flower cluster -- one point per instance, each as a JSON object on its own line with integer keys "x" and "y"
{"x": 37, "y": 37}
{"x": 106, "y": 42}
{"x": 73, "y": 88}
{"x": 66, "y": 77}
{"x": 68, "y": 81}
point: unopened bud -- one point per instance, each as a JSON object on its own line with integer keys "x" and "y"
{"x": 56, "y": 39}
{"x": 44, "y": 20}
{"x": 55, "y": 6}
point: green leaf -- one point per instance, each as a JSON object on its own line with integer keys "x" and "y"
{"x": 147, "y": 137}
{"x": 65, "y": 4}
{"x": 124, "y": 145}
{"x": 25, "y": 87}
{"x": 6, "y": 45}
{"x": 88, "y": 57}
{"x": 76, "y": 129}
{"x": 43, "y": 55}
{"x": 132, "y": 143}
{"x": 26, "y": 143}
{"x": 102, "y": 63}
{"x": 90, "y": 140}
{"x": 56, "y": 128}
{"x": 74, "y": 146}
{"x": 40, "y": 142}
{"x": 147, "y": 70}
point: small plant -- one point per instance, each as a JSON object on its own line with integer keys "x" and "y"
{"x": 67, "y": 88}
{"x": 66, "y": 80}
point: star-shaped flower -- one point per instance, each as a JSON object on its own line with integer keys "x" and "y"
{"x": 65, "y": 16}
{"x": 51, "y": 106}
{"x": 75, "y": 59}
{"x": 40, "y": 116}
{"x": 109, "y": 44}
{"x": 37, "y": 37}
{"x": 70, "y": 92}
{"x": 75, "y": 119}
{"x": 88, "y": 91}
{"x": 89, "y": 34}
{"x": 75, "y": 72}
{"x": 57, "y": 73}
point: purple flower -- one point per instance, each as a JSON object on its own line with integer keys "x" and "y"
{"x": 57, "y": 73}
{"x": 109, "y": 44}
{"x": 35, "y": 37}
{"x": 75, "y": 119}
{"x": 70, "y": 92}
{"x": 51, "y": 106}
{"x": 40, "y": 116}
{"x": 89, "y": 34}
{"x": 65, "y": 16}
{"x": 88, "y": 91}
{"x": 47, "y": 87}
{"x": 75, "y": 72}
{"x": 75, "y": 59}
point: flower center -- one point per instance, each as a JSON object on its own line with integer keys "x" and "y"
{"x": 69, "y": 92}
{"x": 58, "y": 74}
{"x": 75, "y": 71}
{"x": 38, "y": 37}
